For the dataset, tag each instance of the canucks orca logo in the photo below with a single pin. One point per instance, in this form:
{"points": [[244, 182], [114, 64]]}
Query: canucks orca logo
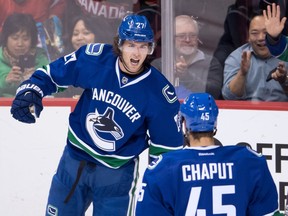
{"points": [[105, 123], [103, 129]]}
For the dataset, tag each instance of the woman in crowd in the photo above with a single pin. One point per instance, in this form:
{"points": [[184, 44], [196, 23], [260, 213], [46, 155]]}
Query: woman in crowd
{"points": [[82, 32], [19, 54]]}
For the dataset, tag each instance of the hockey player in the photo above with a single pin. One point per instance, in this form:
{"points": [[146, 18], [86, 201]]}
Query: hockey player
{"points": [[124, 98], [205, 179]]}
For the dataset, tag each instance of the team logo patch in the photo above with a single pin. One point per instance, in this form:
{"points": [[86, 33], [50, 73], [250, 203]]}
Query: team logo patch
{"points": [[169, 94], [103, 129], [155, 162], [70, 57], [51, 210], [124, 80], [94, 49]]}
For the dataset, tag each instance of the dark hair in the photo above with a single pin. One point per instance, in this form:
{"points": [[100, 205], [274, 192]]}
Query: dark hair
{"points": [[199, 135], [116, 46], [19, 22], [255, 13], [88, 23]]}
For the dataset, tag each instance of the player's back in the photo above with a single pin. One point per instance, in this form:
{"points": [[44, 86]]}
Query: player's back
{"points": [[228, 180]]}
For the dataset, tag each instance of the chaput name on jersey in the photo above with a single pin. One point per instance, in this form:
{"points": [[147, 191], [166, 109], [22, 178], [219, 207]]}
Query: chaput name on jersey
{"points": [[205, 171], [117, 101]]}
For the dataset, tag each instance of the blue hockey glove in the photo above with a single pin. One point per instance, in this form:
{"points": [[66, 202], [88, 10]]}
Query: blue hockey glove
{"points": [[28, 99]]}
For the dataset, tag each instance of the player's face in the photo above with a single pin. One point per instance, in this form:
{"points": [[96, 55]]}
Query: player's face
{"points": [[81, 35], [134, 54], [257, 33], [18, 43]]}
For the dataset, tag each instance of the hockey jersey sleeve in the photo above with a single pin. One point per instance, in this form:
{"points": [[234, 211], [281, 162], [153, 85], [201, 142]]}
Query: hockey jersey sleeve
{"points": [[164, 124], [59, 74], [74, 69], [279, 48]]}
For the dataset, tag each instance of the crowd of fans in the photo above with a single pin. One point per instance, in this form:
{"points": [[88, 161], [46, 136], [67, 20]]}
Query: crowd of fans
{"points": [[239, 65], [200, 58]]}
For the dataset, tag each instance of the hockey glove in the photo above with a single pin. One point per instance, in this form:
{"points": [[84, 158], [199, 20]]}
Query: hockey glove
{"points": [[28, 99]]}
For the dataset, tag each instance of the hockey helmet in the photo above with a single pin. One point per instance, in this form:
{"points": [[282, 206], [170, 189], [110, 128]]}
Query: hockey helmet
{"points": [[136, 28], [200, 112]]}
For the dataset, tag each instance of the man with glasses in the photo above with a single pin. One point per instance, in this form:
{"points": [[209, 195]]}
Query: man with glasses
{"points": [[191, 64]]}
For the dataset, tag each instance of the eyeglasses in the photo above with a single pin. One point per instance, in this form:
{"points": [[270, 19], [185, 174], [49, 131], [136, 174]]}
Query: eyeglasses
{"points": [[184, 36]]}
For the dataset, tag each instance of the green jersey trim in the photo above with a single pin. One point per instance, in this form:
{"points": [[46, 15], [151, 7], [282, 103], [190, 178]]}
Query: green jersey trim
{"points": [[112, 161], [155, 150]]}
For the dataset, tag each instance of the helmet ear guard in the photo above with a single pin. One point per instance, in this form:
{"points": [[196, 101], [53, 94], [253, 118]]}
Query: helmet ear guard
{"points": [[151, 47], [200, 112]]}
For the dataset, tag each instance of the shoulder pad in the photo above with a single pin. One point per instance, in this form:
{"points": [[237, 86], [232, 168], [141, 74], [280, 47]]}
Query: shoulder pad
{"points": [[254, 152]]}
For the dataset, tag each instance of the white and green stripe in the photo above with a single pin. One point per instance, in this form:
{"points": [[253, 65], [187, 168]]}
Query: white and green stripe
{"points": [[112, 161]]}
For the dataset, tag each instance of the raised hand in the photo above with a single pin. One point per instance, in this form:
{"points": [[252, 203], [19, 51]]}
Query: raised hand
{"points": [[181, 66], [14, 76], [274, 25]]}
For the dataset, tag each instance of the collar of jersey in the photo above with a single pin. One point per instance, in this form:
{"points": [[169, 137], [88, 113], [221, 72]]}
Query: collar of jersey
{"points": [[202, 147], [131, 80]]}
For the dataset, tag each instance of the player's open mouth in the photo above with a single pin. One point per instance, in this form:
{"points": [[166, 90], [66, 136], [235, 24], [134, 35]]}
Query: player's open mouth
{"points": [[134, 61]]}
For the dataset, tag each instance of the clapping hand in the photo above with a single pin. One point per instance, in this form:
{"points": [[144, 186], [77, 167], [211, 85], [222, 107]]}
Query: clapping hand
{"points": [[245, 62], [181, 66]]}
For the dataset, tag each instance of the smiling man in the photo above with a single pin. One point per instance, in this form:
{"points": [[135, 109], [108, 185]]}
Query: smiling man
{"points": [[246, 69], [123, 98]]}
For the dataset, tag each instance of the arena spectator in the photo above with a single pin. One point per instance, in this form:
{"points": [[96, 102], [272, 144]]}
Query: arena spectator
{"points": [[19, 56], [83, 32], [247, 68], [191, 64], [107, 15]]}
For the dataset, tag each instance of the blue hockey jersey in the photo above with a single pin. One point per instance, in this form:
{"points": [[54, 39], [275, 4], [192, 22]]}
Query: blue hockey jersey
{"points": [[229, 180], [110, 122]]}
